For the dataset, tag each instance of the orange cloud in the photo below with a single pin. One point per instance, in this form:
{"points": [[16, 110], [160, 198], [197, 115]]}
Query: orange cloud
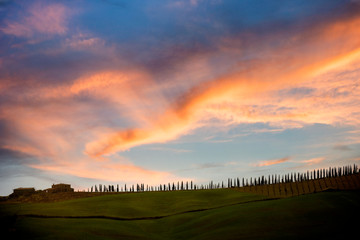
{"points": [[116, 172], [257, 82], [272, 162], [313, 160]]}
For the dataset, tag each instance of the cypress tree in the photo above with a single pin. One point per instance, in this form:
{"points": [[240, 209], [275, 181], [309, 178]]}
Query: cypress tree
{"points": [[191, 185], [125, 188]]}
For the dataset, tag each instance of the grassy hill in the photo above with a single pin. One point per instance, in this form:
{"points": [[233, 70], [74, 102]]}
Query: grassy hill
{"points": [[203, 214]]}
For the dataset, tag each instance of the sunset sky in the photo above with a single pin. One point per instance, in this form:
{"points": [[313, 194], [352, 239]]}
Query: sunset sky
{"points": [[160, 91]]}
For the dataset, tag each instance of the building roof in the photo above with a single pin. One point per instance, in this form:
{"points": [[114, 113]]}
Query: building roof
{"points": [[21, 188]]}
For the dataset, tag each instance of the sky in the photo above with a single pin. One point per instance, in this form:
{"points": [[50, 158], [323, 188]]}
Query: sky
{"points": [[158, 91]]}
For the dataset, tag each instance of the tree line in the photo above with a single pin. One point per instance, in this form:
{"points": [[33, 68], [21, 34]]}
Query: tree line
{"points": [[232, 182]]}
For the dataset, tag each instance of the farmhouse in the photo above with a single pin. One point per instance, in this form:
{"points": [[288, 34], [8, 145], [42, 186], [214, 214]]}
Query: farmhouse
{"points": [[23, 191], [61, 187]]}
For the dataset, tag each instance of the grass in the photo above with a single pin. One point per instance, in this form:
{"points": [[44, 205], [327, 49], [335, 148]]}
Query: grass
{"points": [[231, 215], [144, 204]]}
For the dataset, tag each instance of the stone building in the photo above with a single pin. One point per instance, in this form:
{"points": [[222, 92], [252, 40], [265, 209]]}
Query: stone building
{"points": [[23, 191], [61, 187]]}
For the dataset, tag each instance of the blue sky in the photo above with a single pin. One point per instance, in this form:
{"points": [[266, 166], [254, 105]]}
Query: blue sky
{"points": [[117, 92]]}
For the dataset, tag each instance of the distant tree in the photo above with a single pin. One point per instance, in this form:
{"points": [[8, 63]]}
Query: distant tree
{"points": [[178, 186], [187, 185], [191, 185], [182, 185], [125, 188], [117, 188]]}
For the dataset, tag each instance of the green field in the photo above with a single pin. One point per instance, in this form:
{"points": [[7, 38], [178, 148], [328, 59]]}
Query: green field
{"points": [[203, 214]]}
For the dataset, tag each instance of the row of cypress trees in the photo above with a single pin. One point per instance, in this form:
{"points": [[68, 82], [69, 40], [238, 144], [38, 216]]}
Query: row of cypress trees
{"points": [[231, 183]]}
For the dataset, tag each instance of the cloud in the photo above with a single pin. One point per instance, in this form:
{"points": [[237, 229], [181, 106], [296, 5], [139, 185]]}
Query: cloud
{"points": [[108, 171], [174, 150], [84, 42], [86, 97], [46, 19], [272, 162], [341, 147], [256, 82], [313, 160]]}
